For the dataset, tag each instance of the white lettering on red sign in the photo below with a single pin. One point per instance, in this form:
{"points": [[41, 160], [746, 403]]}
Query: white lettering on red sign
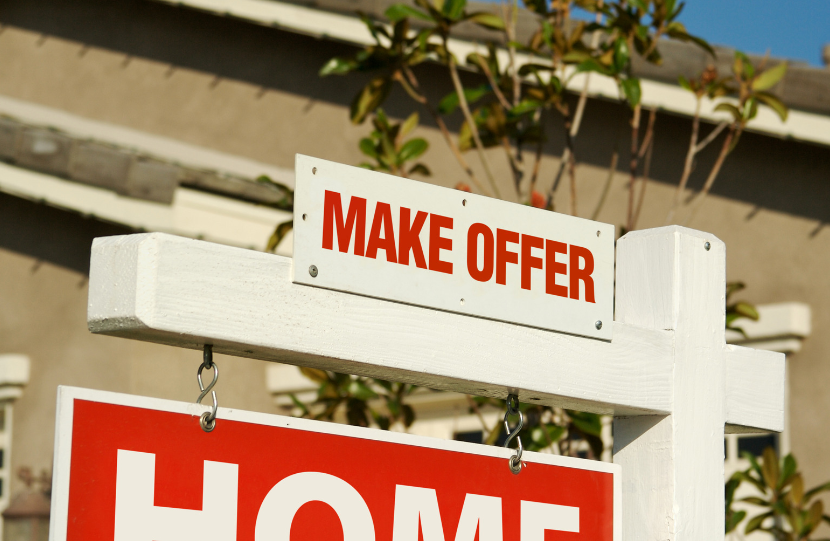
{"points": [[141, 469], [137, 518], [373, 234]]}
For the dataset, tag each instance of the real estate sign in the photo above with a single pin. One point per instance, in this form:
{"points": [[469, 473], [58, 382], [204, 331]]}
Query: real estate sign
{"points": [[132, 468], [384, 236]]}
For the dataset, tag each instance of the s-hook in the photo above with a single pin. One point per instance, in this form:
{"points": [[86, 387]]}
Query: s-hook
{"points": [[515, 461], [208, 419]]}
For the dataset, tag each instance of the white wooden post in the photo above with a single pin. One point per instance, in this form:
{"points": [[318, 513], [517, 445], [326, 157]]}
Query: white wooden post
{"points": [[674, 278]]}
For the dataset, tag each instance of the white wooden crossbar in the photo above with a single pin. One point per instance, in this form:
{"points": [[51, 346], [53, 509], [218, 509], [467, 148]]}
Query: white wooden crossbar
{"points": [[667, 376]]}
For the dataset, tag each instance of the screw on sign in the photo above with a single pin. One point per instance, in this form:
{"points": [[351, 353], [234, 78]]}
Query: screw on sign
{"points": [[141, 469]]}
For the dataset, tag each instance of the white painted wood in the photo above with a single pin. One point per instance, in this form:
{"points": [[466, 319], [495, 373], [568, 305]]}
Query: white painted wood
{"points": [[63, 443], [176, 291], [755, 387], [668, 279], [781, 327], [382, 275]]}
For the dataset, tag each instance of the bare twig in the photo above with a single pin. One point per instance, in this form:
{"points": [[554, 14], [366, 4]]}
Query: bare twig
{"points": [[644, 179], [607, 188], [645, 150], [687, 165], [515, 168], [577, 119], [711, 137], [485, 69], [465, 108], [538, 158], [734, 131], [510, 15], [410, 85], [633, 164]]}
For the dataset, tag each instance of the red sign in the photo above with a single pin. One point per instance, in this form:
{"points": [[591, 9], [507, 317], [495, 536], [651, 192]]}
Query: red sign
{"points": [[141, 469]]}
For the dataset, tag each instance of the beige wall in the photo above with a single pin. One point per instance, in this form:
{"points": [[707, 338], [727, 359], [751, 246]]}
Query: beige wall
{"points": [[263, 100]]}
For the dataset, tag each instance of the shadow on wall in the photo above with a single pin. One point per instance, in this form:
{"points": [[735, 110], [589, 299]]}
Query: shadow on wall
{"points": [[767, 172], [49, 234]]}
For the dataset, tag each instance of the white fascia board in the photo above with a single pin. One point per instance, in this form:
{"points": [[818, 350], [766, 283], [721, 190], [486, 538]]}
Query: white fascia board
{"points": [[165, 148], [193, 214], [800, 125], [781, 327], [14, 369]]}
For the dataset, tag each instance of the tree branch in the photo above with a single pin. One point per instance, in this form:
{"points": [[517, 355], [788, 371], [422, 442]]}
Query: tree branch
{"points": [[411, 88], [607, 188], [635, 160], [465, 108], [734, 130]]}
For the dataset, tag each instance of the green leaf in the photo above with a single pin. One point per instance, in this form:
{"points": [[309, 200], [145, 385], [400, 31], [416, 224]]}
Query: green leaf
{"points": [[337, 66], [734, 287], [750, 109], [756, 501], [465, 137], [487, 20], [815, 490], [587, 423], [769, 78], [409, 124], [676, 30], [279, 233], [420, 169], [361, 391], [621, 54], [744, 309], [787, 471], [527, 69], [734, 519], [525, 106], [367, 146], [593, 65], [769, 467], [412, 149], [449, 102], [684, 83], [453, 9], [369, 99], [774, 103], [631, 90], [756, 522], [575, 57], [408, 415], [397, 12], [731, 109]]}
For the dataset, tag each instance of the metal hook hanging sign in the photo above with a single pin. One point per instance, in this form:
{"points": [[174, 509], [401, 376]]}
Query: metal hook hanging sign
{"points": [[208, 419], [515, 461]]}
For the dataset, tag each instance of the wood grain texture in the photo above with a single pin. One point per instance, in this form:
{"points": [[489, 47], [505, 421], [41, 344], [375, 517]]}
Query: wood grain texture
{"points": [[755, 390], [674, 278], [166, 289]]}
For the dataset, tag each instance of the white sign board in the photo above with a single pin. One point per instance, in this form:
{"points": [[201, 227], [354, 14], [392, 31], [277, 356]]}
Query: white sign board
{"points": [[383, 236]]}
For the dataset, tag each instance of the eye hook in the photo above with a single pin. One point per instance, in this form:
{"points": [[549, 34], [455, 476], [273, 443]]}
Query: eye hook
{"points": [[515, 461]]}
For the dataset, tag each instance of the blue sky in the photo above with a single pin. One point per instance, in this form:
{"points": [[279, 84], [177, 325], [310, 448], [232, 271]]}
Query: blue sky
{"points": [[793, 29]]}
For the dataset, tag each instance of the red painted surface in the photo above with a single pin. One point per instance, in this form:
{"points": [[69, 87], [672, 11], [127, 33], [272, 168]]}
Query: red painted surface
{"points": [[267, 454]]}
